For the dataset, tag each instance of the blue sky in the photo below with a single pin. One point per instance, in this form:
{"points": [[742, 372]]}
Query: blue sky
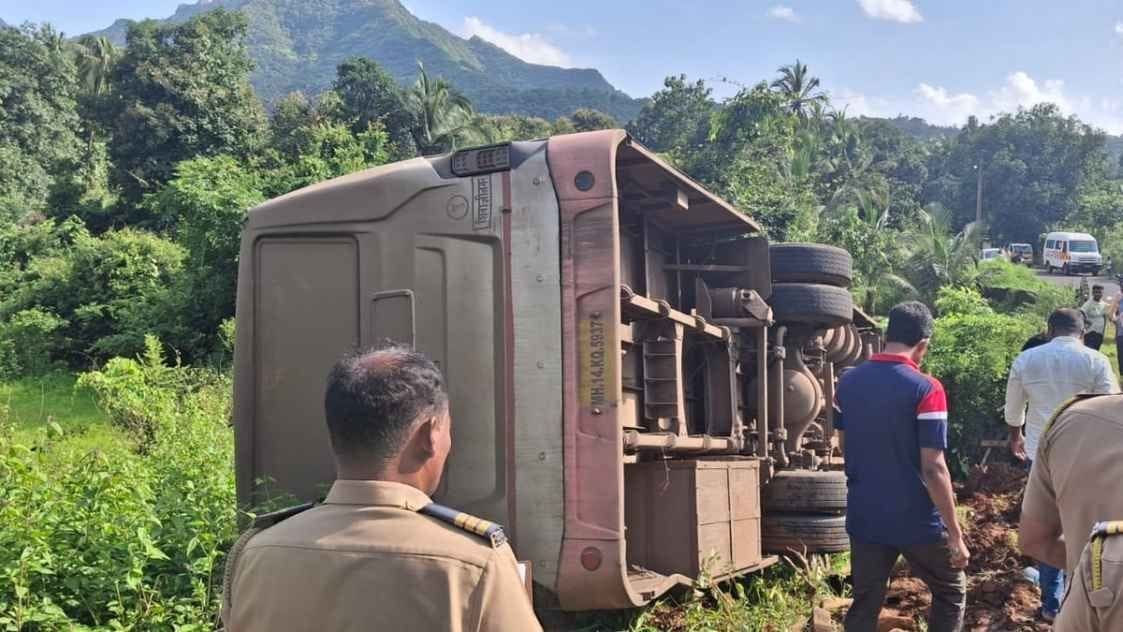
{"points": [[939, 59]]}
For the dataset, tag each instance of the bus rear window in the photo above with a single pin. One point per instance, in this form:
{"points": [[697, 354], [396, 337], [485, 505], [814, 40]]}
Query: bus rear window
{"points": [[1083, 246]]}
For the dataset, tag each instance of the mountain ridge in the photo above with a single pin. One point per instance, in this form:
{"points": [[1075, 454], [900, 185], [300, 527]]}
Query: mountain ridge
{"points": [[296, 45]]}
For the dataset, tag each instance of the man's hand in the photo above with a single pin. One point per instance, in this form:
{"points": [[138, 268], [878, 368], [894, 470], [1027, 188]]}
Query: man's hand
{"points": [[960, 556], [1018, 446]]}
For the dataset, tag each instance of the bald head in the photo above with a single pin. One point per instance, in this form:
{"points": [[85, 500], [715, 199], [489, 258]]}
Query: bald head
{"points": [[375, 399]]}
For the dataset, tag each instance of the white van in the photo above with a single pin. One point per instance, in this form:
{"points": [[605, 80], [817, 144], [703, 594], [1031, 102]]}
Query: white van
{"points": [[1071, 253]]}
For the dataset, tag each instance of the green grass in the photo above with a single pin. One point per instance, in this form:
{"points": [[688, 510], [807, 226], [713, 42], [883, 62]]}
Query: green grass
{"points": [[31, 403], [773, 600], [1108, 348]]}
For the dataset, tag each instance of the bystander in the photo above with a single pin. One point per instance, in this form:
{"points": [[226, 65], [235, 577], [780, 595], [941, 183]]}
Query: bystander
{"points": [[1041, 380]]}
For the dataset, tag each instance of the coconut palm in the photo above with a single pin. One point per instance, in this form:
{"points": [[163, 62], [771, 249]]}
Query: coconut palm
{"points": [[95, 63], [800, 89], [940, 257], [444, 118]]}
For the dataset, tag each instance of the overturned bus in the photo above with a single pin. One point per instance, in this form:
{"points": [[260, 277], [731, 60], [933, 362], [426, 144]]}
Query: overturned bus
{"points": [[638, 379]]}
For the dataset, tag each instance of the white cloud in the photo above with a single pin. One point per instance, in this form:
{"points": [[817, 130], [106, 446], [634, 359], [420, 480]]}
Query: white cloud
{"points": [[903, 11], [530, 47], [939, 97], [1119, 28], [1021, 90], [940, 106], [858, 104], [780, 12]]}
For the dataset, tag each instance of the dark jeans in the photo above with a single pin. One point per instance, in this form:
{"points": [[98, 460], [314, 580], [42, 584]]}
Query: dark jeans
{"points": [[1052, 581], [872, 565], [1093, 340]]}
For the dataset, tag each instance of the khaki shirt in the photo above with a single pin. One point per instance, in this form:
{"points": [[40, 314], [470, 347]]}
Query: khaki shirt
{"points": [[1087, 608], [366, 560]]}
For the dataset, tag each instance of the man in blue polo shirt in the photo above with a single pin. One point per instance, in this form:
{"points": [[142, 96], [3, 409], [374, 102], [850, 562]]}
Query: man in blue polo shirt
{"points": [[893, 427]]}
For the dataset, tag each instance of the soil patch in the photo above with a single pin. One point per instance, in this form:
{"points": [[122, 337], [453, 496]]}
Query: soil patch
{"points": [[999, 598]]}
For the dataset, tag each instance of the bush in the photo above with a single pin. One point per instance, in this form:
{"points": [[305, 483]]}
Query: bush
{"points": [[110, 537], [962, 301], [27, 342], [82, 299], [972, 350], [1017, 289]]}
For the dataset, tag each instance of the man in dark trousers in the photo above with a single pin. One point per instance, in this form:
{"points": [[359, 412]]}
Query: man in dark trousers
{"points": [[1095, 312], [892, 420]]}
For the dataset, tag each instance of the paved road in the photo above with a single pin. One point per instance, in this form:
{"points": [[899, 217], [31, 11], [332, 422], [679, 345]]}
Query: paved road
{"points": [[1111, 289]]}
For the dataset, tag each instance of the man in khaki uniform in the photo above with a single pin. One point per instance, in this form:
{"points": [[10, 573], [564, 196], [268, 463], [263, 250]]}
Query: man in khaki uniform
{"points": [[1074, 484], [377, 554], [1094, 602]]}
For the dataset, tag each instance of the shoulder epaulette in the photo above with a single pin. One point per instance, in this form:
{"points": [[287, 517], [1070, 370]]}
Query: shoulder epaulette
{"points": [[467, 522], [264, 521], [1100, 532]]}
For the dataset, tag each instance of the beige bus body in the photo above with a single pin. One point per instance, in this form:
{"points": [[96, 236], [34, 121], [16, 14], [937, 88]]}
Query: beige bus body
{"points": [[620, 389]]}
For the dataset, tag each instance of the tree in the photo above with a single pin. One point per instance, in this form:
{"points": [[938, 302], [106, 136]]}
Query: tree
{"points": [[96, 58], [518, 127], [676, 119], [39, 122], [800, 90], [1034, 165], [206, 204], [370, 95], [937, 256], [326, 150], [94, 296], [443, 118], [588, 120], [182, 91]]}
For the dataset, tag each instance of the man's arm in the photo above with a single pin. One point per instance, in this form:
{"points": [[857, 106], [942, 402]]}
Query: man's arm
{"points": [[501, 597], [1016, 400], [1106, 381], [937, 479], [1041, 534], [932, 437]]}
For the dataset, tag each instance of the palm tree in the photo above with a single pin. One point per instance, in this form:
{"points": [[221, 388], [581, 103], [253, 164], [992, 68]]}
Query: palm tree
{"points": [[444, 118], [800, 89], [95, 64], [938, 256]]}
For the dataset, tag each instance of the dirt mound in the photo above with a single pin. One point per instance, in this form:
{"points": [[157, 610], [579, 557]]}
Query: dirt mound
{"points": [[998, 478], [999, 598]]}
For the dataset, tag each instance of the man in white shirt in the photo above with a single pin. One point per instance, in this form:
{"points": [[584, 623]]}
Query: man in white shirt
{"points": [[1095, 312], [1046, 377]]}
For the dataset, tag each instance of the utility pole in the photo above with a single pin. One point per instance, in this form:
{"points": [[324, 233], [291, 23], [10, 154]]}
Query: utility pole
{"points": [[979, 195]]}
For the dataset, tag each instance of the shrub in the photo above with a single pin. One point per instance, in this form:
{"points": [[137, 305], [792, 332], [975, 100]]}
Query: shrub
{"points": [[27, 342], [963, 301], [110, 537], [138, 394], [971, 354], [1016, 289], [81, 299]]}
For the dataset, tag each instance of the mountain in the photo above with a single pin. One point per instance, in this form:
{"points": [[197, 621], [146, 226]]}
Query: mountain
{"points": [[297, 45]]}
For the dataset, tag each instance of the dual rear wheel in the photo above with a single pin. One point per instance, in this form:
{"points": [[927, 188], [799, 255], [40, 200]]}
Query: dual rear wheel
{"points": [[805, 512]]}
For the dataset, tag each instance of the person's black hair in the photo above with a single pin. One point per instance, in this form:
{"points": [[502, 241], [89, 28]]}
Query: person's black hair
{"points": [[374, 397], [1066, 321], [1098, 287], [909, 323]]}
